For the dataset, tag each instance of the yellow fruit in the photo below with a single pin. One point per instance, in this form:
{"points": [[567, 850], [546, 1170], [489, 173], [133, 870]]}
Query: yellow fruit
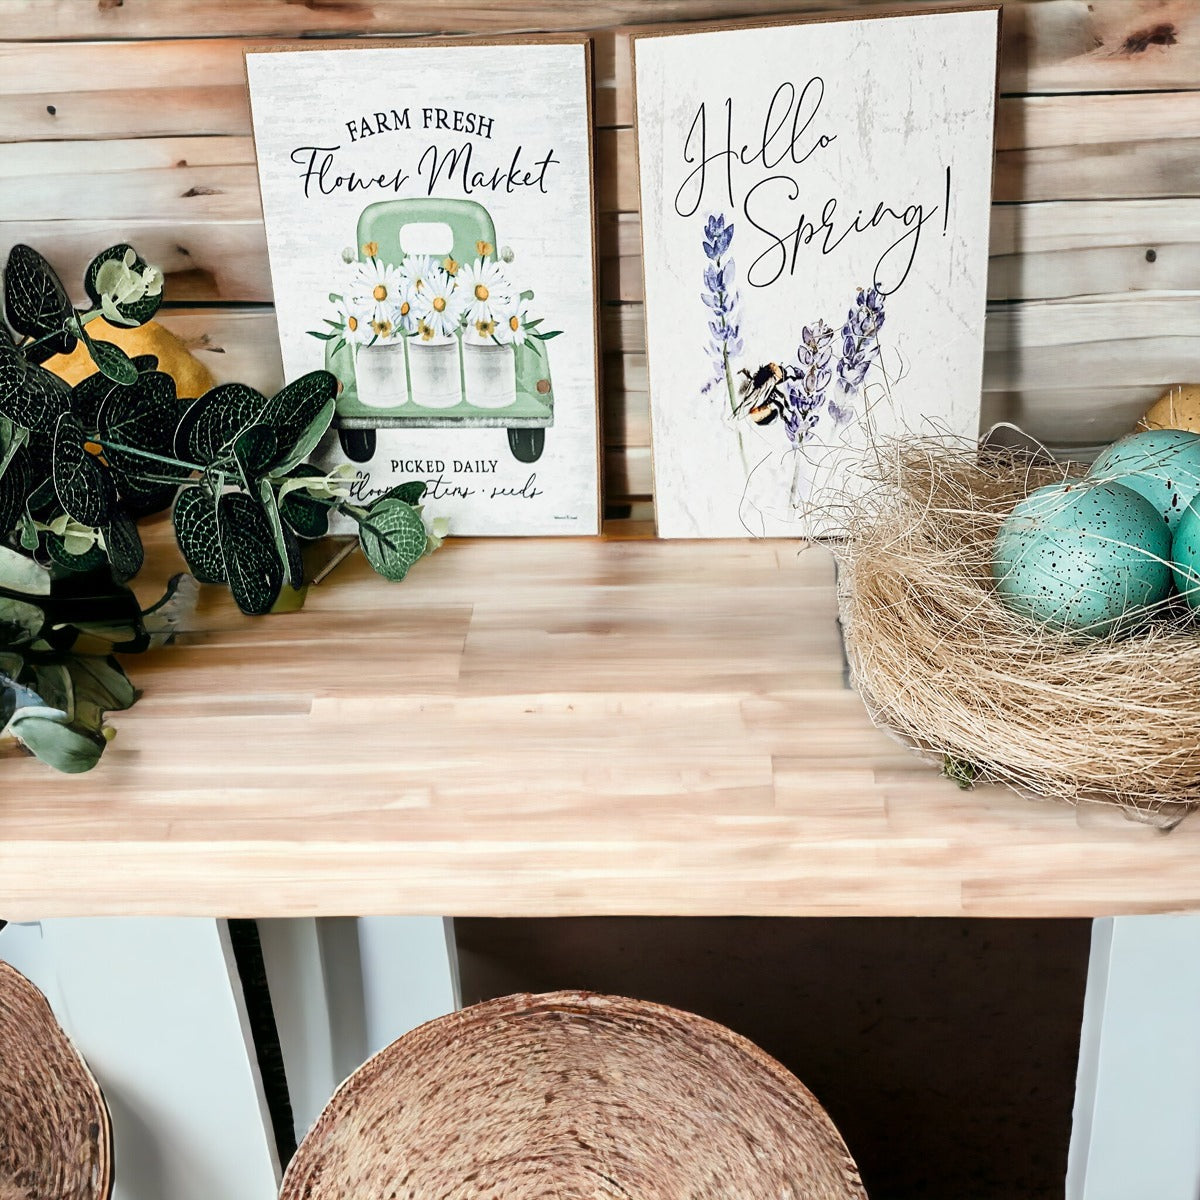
{"points": [[191, 376], [1177, 408]]}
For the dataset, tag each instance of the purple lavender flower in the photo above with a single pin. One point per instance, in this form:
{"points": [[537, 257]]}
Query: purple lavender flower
{"points": [[860, 348], [806, 390], [723, 302]]}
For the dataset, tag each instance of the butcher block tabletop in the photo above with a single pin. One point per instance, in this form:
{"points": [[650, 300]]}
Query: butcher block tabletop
{"points": [[543, 726]]}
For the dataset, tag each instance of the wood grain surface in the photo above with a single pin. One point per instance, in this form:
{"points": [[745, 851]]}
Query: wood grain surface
{"points": [[543, 727]]}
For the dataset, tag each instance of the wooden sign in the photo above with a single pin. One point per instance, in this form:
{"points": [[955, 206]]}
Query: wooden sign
{"points": [[815, 210], [429, 219]]}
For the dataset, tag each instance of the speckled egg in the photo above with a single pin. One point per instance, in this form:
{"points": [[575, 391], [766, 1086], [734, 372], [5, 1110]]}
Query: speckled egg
{"points": [[1083, 556], [1161, 464], [1185, 554]]}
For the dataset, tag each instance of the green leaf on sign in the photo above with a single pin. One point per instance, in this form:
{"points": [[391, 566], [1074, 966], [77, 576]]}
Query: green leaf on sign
{"points": [[82, 483], [393, 537], [195, 519], [412, 492], [254, 569]]}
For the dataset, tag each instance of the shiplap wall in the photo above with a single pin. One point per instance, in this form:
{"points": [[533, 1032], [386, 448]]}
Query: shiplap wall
{"points": [[128, 120]]}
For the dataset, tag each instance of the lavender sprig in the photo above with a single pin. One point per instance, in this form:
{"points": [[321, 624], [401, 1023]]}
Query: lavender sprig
{"points": [[806, 391], [860, 348], [723, 301]]}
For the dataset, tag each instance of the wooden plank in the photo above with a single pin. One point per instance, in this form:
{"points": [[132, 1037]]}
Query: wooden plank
{"points": [[595, 735], [1124, 154], [1049, 45], [93, 90], [1039, 251]]}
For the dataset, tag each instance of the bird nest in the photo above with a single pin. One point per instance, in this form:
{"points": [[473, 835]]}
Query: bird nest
{"points": [[994, 697]]}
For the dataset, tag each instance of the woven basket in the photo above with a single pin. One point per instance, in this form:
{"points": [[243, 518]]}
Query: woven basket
{"points": [[572, 1096], [55, 1138]]}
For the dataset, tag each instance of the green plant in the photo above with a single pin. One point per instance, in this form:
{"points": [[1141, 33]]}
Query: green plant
{"points": [[79, 466]]}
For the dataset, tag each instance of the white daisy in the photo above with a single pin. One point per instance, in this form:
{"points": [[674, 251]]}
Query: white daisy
{"points": [[377, 286], [512, 328], [417, 268], [485, 291], [356, 320], [438, 306]]}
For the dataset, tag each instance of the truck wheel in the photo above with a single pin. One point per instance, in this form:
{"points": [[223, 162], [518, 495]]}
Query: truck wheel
{"points": [[358, 445], [527, 444]]}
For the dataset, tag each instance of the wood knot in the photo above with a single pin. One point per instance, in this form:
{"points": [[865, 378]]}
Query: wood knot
{"points": [[201, 191], [1158, 35]]}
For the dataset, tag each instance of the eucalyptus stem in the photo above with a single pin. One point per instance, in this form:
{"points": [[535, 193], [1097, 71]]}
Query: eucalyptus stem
{"points": [[148, 454]]}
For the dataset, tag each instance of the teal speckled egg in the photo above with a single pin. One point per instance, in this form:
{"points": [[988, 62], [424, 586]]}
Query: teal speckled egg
{"points": [[1185, 554], [1083, 556], [1161, 464]]}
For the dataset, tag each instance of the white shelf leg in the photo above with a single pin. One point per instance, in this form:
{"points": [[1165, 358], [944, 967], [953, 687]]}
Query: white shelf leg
{"points": [[155, 1006], [343, 988], [1137, 1101], [410, 974]]}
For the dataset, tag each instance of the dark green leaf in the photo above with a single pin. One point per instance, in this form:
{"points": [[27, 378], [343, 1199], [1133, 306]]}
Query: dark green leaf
{"points": [[195, 518], [52, 682], [14, 695], [411, 492], [99, 686], [88, 397], [146, 362], [143, 416], [12, 370], [254, 450], [139, 311], [393, 537], [254, 570], [19, 621], [292, 411], [56, 548], [308, 440], [35, 302], [46, 733], [286, 544], [124, 546], [39, 402], [14, 485], [82, 483], [220, 415], [306, 517], [112, 361]]}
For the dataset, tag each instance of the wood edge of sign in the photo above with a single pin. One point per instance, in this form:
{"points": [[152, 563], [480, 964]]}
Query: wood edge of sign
{"points": [[637, 33], [587, 44]]}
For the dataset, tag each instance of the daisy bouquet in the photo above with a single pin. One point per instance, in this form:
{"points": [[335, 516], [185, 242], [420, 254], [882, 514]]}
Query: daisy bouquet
{"points": [[431, 300]]}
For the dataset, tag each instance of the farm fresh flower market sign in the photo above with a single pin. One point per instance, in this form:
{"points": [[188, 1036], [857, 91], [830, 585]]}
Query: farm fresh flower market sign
{"points": [[815, 203], [429, 221]]}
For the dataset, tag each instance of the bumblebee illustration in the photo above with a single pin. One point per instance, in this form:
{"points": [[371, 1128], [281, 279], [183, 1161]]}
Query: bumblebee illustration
{"points": [[762, 398]]}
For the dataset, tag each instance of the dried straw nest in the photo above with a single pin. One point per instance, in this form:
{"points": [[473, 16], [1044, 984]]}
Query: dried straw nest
{"points": [[575, 1096], [946, 668], [55, 1139]]}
